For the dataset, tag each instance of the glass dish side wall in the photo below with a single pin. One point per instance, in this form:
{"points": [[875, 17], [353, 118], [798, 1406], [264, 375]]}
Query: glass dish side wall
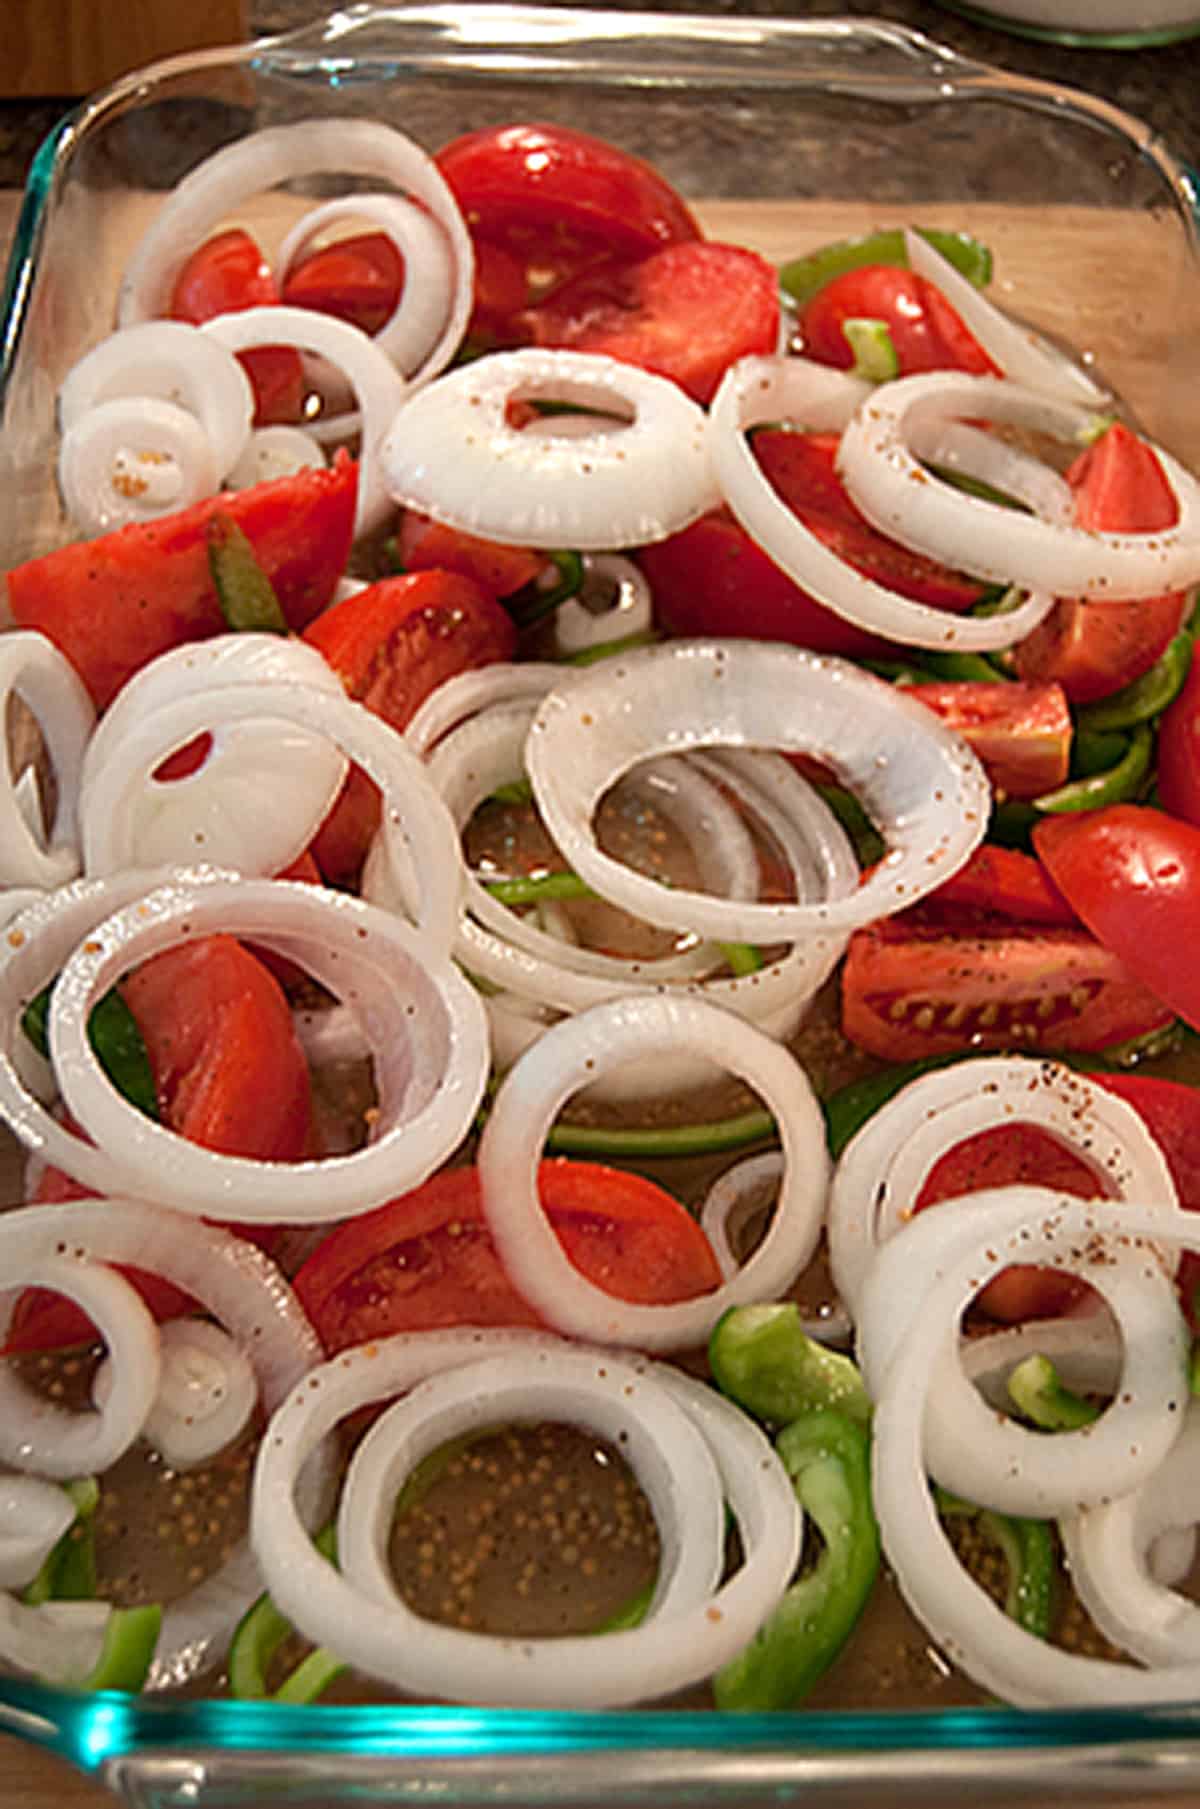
{"points": [[783, 136]]}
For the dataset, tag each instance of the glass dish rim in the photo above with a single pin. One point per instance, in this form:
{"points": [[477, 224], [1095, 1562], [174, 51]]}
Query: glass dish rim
{"points": [[94, 1731]]}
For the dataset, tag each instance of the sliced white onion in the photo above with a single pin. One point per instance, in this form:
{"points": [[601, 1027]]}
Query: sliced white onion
{"points": [[667, 1652], [33, 669], [725, 1199], [377, 384], [1084, 1347], [464, 695], [899, 496], [426, 1027], [365, 148], [220, 812], [57, 1642], [1021, 354], [975, 453], [206, 1393], [166, 361], [133, 460], [34, 1515], [969, 1626], [453, 454], [615, 601], [1109, 1549], [881, 1172], [967, 1446], [920, 784], [435, 301], [584, 1048], [764, 389], [272, 452]]}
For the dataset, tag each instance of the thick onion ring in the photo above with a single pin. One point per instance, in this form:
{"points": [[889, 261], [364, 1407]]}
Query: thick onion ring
{"points": [[32, 668], [133, 460]]}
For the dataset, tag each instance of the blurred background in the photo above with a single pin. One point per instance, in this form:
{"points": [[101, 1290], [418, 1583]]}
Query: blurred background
{"points": [[54, 51]]}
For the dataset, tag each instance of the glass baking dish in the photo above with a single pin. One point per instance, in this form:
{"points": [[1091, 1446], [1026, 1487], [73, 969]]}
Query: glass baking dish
{"points": [[783, 135]]}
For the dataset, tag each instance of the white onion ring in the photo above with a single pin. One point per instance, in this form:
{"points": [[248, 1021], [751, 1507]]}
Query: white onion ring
{"points": [[426, 1025], [765, 389], [459, 698], [581, 1050], [216, 814], [206, 1393], [624, 605], [435, 302], [452, 454], [33, 669], [1109, 1550], [900, 498], [883, 1168], [165, 361], [133, 460], [972, 1629], [278, 451], [663, 1655], [967, 1446], [920, 784], [56, 1642], [34, 1515], [377, 384], [975, 453]]}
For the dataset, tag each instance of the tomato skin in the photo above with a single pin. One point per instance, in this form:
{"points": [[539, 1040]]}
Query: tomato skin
{"points": [[427, 1260], [1021, 732], [113, 604], [1133, 875], [1095, 648], [999, 882], [224, 275], [357, 279], [391, 645], [1171, 1113], [1006, 1155], [686, 313], [925, 330], [911, 990], [1178, 750], [554, 202], [428, 545], [229, 1074]]}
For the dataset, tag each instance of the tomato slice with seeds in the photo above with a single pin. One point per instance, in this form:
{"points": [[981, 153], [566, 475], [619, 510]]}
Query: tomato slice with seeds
{"points": [[1021, 732], [427, 1260], [911, 990], [224, 275]]}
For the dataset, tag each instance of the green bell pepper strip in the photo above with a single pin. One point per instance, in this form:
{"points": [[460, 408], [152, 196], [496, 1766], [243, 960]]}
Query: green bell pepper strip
{"points": [[1115, 785], [1096, 750], [964, 668], [68, 1572], [130, 1636], [1036, 1391], [869, 845], [259, 1635], [532, 604], [1027, 1548], [802, 277], [763, 1359], [116, 1040], [535, 888], [875, 359], [518, 791], [1147, 697], [678, 1140], [827, 1456], [244, 591], [627, 643]]}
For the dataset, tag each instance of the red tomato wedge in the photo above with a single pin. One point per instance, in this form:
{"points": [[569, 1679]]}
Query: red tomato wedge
{"points": [[1021, 732], [357, 279], [115, 603], [1178, 750], [911, 990], [1171, 1112], [999, 882], [686, 313], [229, 1073], [427, 545], [713, 579], [1133, 875], [1003, 1156], [391, 645], [1091, 648], [926, 332], [545, 202], [427, 1260], [224, 275]]}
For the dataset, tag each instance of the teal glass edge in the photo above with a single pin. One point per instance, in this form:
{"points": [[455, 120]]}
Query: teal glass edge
{"points": [[91, 1730], [22, 256]]}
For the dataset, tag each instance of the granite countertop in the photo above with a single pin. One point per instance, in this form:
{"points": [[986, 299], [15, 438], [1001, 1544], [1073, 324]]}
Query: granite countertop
{"points": [[1159, 85]]}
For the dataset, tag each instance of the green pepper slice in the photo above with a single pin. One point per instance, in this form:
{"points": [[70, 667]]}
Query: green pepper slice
{"points": [[763, 1359], [802, 277], [259, 1635], [68, 1573], [244, 591], [114, 1036], [130, 1636], [1037, 1391], [533, 604], [1115, 785], [1027, 1548], [1147, 697], [827, 1456]]}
